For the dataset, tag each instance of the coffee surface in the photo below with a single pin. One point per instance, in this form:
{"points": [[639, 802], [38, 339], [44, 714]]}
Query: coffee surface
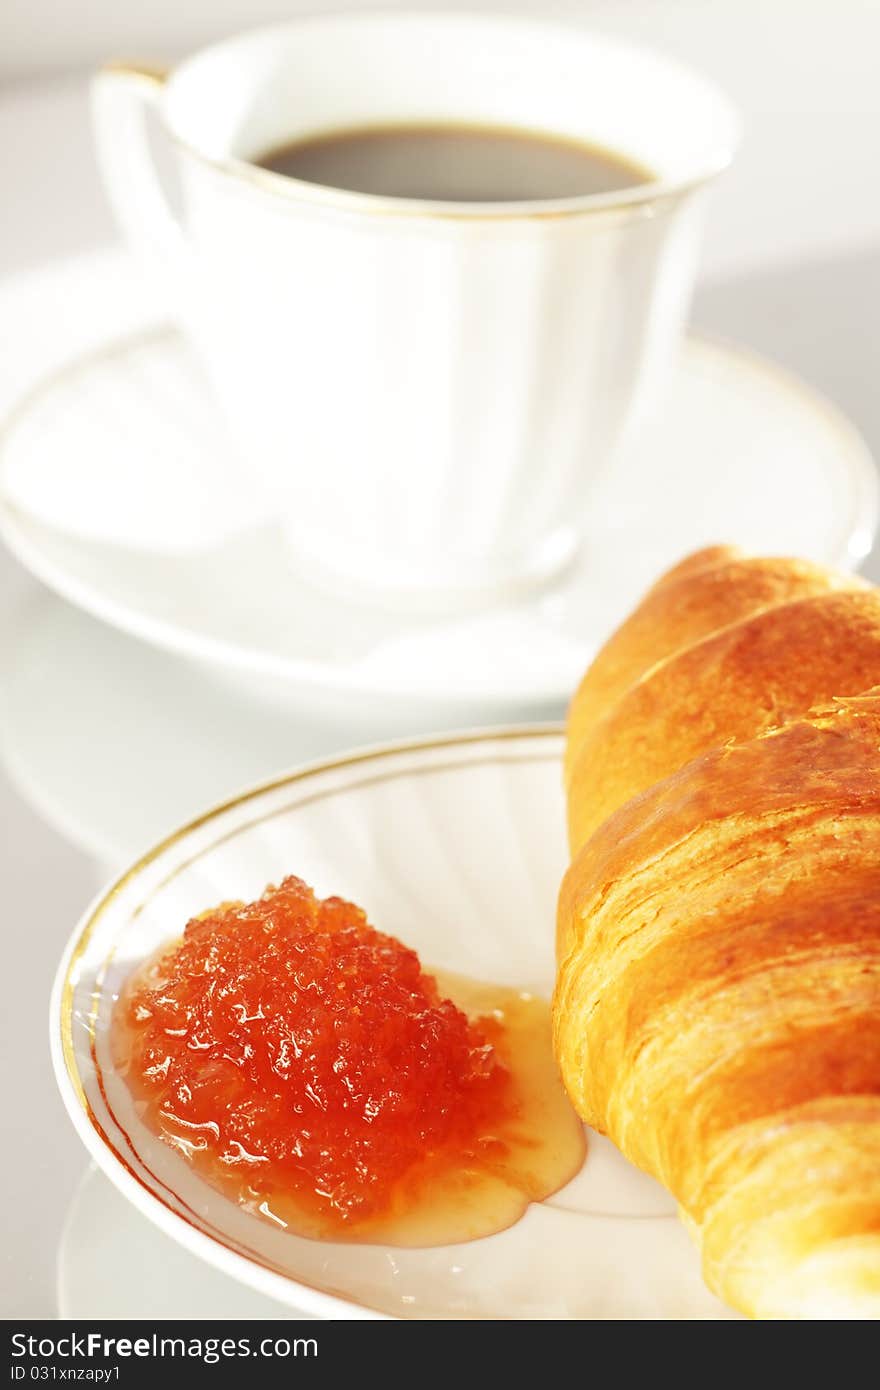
{"points": [[455, 163]]}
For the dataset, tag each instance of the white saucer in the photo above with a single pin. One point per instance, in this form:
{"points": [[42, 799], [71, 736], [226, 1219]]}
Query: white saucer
{"points": [[741, 452], [456, 845], [169, 728]]}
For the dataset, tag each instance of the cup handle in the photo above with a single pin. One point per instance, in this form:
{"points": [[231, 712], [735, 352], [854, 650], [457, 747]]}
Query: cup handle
{"points": [[121, 96]]}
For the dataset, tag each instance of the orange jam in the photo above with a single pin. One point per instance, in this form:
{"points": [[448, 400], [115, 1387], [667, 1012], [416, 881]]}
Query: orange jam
{"points": [[306, 1064]]}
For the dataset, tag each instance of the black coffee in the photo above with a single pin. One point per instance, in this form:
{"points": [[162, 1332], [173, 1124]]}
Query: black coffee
{"points": [[455, 163]]}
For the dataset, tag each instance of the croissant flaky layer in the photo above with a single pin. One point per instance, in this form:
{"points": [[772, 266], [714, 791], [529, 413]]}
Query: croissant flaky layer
{"points": [[717, 1010]]}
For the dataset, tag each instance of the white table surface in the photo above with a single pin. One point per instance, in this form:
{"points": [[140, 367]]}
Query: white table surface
{"points": [[812, 302]]}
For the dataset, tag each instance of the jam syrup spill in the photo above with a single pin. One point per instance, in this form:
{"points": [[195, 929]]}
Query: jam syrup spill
{"points": [[310, 1069]]}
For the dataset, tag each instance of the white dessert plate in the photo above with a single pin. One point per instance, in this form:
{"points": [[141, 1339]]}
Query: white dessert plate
{"points": [[113, 1264], [457, 846], [118, 493]]}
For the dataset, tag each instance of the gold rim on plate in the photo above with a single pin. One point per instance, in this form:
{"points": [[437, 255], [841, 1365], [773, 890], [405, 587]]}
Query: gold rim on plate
{"points": [[86, 928]]}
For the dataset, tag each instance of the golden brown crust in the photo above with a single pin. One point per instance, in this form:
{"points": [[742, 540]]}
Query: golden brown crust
{"points": [[751, 676], [697, 599], [717, 1009]]}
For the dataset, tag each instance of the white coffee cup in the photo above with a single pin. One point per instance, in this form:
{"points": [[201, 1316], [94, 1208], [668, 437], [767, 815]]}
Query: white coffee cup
{"points": [[426, 390]]}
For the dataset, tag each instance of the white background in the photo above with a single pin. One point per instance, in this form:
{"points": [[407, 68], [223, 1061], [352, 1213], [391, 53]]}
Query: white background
{"points": [[792, 266]]}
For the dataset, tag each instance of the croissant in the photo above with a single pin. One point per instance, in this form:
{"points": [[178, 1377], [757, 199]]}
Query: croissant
{"points": [[717, 1007]]}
